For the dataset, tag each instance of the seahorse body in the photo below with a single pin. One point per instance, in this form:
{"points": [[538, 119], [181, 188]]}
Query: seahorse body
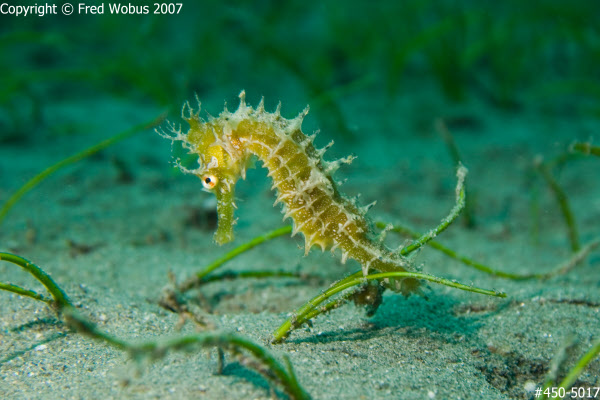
{"points": [[303, 180]]}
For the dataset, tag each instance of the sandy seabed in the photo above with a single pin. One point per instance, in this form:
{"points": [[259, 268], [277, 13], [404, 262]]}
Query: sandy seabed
{"points": [[111, 228]]}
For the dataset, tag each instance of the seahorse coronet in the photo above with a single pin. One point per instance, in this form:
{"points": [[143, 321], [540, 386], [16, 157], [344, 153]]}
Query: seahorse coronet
{"points": [[226, 145]]}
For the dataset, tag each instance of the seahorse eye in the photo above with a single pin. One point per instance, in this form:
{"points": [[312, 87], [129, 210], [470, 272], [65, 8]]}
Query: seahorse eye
{"points": [[209, 181]]}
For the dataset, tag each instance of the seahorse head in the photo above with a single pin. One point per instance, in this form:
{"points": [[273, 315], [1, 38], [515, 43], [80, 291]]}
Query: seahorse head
{"points": [[222, 159]]}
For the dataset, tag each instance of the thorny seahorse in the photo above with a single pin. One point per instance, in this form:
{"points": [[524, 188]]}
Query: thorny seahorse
{"points": [[225, 147]]}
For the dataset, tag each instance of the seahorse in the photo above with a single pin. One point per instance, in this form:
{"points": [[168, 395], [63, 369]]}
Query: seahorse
{"points": [[228, 145]]}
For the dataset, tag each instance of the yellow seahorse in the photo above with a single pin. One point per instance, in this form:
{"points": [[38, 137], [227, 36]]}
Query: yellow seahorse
{"points": [[225, 147]]}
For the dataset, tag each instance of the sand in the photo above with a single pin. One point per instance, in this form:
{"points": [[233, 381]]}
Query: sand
{"points": [[111, 228]]}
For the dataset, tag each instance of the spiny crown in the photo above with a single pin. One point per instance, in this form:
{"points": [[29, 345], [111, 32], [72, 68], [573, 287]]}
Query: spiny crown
{"points": [[215, 141], [216, 138]]}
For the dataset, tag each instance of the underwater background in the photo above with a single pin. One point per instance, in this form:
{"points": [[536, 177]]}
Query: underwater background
{"points": [[409, 87]]}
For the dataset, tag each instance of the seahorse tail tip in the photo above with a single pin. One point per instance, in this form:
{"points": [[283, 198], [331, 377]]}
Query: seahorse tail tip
{"points": [[411, 286]]}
